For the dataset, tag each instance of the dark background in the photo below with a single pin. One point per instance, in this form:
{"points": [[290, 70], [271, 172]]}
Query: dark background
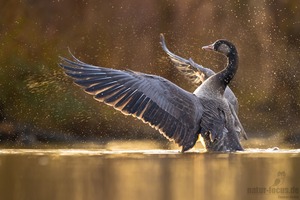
{"points": [[38, 103]]}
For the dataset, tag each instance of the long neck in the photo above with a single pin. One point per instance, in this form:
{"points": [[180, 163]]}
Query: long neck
{"points": [[216, 84], [226, 75]]}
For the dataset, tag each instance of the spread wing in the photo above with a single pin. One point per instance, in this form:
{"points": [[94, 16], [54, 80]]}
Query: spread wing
{"points": [[195, 73], [154, 100]]}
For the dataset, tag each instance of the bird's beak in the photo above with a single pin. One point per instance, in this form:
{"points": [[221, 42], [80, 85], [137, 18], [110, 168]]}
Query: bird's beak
{"points": [[208, 47]]}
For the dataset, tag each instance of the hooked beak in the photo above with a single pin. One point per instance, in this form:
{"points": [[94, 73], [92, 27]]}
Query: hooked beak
{"points": [[208, 47]]}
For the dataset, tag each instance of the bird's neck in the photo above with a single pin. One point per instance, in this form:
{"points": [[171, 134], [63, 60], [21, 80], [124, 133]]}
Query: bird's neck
{"points": [[226, 75], [219, 81]]}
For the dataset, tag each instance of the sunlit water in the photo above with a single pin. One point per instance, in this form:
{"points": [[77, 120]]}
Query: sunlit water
{"points": [[148, 174]]}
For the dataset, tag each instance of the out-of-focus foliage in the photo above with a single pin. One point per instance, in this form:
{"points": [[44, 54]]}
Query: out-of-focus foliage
{"points": [[125, 34]]}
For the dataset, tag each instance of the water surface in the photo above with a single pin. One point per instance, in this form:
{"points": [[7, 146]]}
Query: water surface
{"points": [[148, 174]]}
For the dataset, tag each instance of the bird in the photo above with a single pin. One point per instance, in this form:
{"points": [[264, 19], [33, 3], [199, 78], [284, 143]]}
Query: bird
{"points": [[179, 115], [197, 74]]}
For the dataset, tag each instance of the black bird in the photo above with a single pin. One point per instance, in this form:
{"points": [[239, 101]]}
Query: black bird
{"points": [[179, 115]]}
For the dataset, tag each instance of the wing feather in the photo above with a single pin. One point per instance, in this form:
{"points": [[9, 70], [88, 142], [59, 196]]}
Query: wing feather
{"points": [[194, 72], [156, 101]]}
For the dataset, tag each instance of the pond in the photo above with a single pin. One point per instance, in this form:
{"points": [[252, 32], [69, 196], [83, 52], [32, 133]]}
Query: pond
{"points": [[148, 174]]}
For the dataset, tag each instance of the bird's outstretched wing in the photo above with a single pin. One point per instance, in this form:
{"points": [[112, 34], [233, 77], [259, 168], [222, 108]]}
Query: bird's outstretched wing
{"points": [[195, 73], [156, 101]]}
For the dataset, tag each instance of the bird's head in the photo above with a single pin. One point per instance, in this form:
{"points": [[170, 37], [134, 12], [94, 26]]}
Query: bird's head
{"points": [[222, 46]]}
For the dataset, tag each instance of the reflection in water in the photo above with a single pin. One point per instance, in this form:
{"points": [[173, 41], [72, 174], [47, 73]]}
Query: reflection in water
{"points": [[148, 174]]}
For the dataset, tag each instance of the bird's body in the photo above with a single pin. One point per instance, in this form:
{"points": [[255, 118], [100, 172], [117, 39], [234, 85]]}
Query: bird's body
{"points": [[212, 92], [179, 115]]}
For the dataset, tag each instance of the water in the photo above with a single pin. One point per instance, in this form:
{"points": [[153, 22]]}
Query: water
{"points": [[148, 174]]}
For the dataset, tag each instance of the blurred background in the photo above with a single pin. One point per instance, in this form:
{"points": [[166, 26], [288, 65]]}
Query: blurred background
{"points": [[40, 105]]}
